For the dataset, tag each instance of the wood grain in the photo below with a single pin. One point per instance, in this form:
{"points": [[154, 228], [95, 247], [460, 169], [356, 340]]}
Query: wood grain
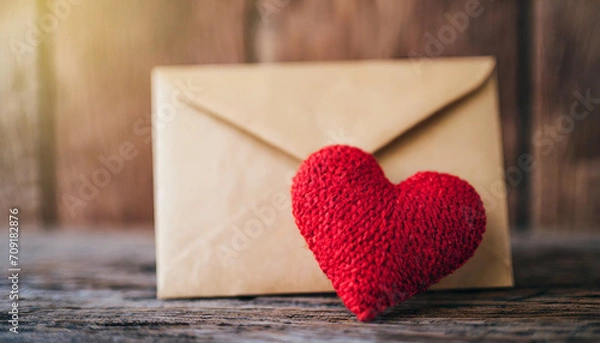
{"points": [[95, 287], [566, 191], [354, 29], [19, 121], [104, 52], [81, 92]]}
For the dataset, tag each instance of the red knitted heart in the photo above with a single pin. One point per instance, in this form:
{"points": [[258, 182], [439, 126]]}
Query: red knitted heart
{"points": [[377, 242]]}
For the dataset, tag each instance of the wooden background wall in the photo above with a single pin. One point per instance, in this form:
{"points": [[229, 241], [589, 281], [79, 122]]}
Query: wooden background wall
{"points": [[75, 88]]}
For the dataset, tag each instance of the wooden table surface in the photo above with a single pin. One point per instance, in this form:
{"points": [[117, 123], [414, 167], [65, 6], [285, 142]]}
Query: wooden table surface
{"points": [[99, 287]]}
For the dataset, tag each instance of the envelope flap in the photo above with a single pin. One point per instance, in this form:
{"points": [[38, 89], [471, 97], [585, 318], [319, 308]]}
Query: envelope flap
{"points": [[300, 107]]}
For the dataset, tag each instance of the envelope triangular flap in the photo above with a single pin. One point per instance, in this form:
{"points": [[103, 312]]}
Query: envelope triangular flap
{"points": [[303, 106]]}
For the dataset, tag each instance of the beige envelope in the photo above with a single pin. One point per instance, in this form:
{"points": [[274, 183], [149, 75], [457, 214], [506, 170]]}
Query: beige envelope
{"points": [[228, 139]]}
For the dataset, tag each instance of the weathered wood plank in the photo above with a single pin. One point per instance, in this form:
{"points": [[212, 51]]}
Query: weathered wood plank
{"points": [[19, 122], [98, 287], [103, 54], [354, 29], [566, 115]]}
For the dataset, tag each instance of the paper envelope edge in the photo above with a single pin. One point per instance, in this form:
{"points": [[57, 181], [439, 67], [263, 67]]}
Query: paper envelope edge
{"points": [[507, 262], [475, 70]]}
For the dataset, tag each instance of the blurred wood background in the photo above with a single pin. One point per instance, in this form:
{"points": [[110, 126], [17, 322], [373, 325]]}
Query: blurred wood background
{"points": [[75, 89], [20, 177]]}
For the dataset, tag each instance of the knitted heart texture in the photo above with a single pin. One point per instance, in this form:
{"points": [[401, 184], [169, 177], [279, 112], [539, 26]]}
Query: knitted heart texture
{"points": [[380, 243]]}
